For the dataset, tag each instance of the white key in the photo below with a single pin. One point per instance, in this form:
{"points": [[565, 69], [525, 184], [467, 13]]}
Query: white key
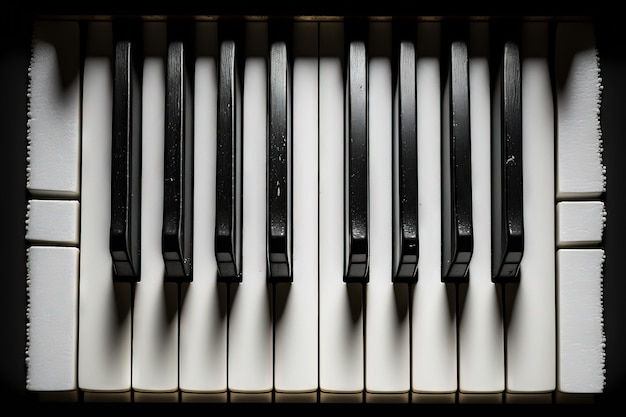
{"points": [[296, 338], [580, 223], [52, 313], [250, 335], [341, 319], [54, 110], [481, 331], [53, 222], [203, 336], [530, 305], [155, 317], [387, 338], [581, 172], [434, 366], [104, 334], [581, 332]]}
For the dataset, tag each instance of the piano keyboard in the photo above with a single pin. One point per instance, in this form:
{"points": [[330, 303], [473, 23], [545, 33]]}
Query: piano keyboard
{"points": [[317, 210]]}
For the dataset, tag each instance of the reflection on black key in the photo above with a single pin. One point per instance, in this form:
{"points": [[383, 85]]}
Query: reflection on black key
{"points": [[356, 137], [457, 241], [178, 184], [229, 163], [125, 243], [405, 226], [279, 152], [507, 229]]}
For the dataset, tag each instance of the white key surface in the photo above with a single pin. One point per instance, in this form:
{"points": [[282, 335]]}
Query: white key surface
{"points": [[296, 303], [52, 332], [155, 304], [341, 320], [433, 310], [55, 222], [530, 305], [203, 335], [250, 335], [104, 334], [481, 327], [580, 223], [387, 337], [54, 110]]}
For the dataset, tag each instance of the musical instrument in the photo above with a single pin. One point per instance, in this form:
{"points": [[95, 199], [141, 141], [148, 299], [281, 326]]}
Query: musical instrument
{"points": [[612, 86]]}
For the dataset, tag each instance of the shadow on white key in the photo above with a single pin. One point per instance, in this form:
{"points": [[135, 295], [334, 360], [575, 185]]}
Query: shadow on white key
{"points": [[203, 336], [530, 307], [481, 330], [433, 310], [296, 303], [341, 319], [250, 331], [387, 337], [155, 317], [104, 334]]}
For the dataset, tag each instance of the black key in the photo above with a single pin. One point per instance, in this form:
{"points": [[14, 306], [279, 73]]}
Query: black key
{"points": [[457, 231], [229, 152], [125, 239], [507, 227], [279, 184], [356, 149], [405, 226], [178, 172]]}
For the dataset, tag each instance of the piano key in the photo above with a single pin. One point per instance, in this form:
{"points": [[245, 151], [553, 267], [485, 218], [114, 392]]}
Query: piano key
{"points": [[203, 318], [507, 240], [356, 138], [229, 172], [54, 222], [580, 223], [53, 134], [456, 155], [155, 302], [480, 321], [104, 332], [125, 239], [341, 370], [52, 332], [296, 304], [279, 186], [405, 224], [250, 336], [581, 344], [433, 316], [178, 191], [387, 337], [580, 170], [530, 312]]}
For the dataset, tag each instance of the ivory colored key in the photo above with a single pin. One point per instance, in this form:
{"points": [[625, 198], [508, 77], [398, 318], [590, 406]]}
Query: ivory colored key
{"points": [[104, 333]]}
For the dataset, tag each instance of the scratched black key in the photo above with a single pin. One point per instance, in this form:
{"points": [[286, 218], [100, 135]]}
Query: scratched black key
{"points": [[405, 181], [356, 151], [178, 161], [507, 227], [229, 152], [457, 230], [278, 190], [125, 242]]}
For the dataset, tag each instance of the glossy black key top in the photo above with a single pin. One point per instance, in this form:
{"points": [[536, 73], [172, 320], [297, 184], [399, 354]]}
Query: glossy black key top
{"points": [[229, 152], [457, 230], [178, 162], [405, 181], [356, 151], [507, 229], [278, 190], [125, 242]]}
